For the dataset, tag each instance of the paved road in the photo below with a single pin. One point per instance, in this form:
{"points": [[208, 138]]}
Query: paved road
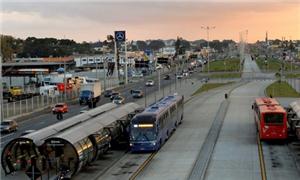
{"points": [[46, 119], [235, 155], [118, 165], [177, 157], [251, 70]]}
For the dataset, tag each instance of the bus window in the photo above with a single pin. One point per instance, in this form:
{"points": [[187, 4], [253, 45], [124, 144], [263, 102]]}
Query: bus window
{"points": [[143, 132], [273, 118]]}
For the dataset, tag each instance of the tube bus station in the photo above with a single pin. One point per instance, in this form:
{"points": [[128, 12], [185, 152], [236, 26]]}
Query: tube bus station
{"points": [[70, 144]]}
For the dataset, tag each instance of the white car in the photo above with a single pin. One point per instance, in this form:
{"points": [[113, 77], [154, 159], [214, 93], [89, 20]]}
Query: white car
{"points": [[150, 83], [119, 100], [159, 66], [179, 76], [185, 74], [137, 74]]}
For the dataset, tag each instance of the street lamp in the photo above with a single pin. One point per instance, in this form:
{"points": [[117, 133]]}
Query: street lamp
{"points": [[207, 28]]}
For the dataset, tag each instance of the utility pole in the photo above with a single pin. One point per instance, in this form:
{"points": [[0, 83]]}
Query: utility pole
{"points": [[126, 73], [96, 69], [116, 69], [158, 76], [145, 90], [104, 72], [65, 81], [1, 89], [207, 28]]}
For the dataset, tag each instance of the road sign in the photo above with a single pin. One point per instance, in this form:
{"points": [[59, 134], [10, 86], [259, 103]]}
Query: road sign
{"points": [[33, 172], [120, 36]]}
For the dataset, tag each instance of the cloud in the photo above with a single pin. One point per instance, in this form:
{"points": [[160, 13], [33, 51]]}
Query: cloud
{"points": [[148, 19]]}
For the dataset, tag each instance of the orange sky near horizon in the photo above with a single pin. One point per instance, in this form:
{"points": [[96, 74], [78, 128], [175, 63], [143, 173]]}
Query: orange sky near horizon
{"points": [[93, 21]]}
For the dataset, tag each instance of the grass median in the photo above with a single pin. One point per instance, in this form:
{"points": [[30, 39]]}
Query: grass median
{"points": [[274, 65], [223, 65], [226, 75], [281, 89], [209, 86], [292, 75]]}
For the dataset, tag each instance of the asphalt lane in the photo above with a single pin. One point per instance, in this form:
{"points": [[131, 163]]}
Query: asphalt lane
{"points": [[44, 120], [177, 157]]}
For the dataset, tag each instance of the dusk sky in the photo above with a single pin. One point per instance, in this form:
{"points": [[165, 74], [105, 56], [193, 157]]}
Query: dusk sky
{"points": [[92, 20]]}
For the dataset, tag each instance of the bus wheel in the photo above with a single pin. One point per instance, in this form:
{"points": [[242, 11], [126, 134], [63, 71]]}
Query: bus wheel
{"points": [[167, 135], [159, 145]]}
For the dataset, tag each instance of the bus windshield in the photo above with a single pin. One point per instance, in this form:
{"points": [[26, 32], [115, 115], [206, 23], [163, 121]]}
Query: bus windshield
{"points": [[273, 118], [143, 128], [143, 134]]}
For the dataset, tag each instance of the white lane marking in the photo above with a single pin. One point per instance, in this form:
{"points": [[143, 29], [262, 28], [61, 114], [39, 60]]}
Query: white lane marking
{"points": [[2, 142], [7, 135]]}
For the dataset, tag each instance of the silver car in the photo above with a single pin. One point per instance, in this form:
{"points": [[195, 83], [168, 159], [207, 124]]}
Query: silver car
{"points": [[119, 100], [8, 126]]}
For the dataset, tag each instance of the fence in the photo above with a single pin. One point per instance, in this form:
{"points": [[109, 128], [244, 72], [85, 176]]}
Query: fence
{"points": [[36, 103], [295, 83]]}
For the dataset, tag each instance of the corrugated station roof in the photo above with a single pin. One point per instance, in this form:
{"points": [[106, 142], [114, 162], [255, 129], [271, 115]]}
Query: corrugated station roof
{"points": [[92, 126], [40, 135], [296, 107]]}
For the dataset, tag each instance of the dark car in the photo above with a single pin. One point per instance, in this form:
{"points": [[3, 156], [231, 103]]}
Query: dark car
{"points": [[137, 93], [8, 126], [114, 94], [108, 93], [167, 77]]}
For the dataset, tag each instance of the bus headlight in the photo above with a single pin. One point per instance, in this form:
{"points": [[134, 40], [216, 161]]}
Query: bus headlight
{"points": [[153, 143], [130, 144]]}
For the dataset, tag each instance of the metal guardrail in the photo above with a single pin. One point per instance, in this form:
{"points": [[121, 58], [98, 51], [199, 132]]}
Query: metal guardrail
{"points": [[35, 103], [295, 83]]}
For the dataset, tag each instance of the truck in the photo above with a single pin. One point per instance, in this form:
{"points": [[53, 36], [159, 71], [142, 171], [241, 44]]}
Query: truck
{"points": [[90, 94], [16, 93]]}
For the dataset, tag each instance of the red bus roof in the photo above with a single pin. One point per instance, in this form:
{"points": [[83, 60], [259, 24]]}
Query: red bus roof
{"points": [[271, 108], [266, 101]]}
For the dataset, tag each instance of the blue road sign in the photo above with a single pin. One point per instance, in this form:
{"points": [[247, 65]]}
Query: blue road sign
{"points": [[120, 36], [148, 52]]}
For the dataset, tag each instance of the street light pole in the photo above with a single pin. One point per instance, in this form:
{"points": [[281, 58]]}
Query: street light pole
{"points": [[207, 28], [116, 69], [1, 90], [65, 81], [126, 73], [105, 73]]}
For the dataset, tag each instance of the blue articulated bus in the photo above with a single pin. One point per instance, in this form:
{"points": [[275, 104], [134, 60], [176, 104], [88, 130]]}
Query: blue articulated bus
{"points": [[152, 127]]}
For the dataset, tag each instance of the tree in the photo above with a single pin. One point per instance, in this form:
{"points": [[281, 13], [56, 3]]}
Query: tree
{"points": [[141, 45], [156, 44], [6, 47]]}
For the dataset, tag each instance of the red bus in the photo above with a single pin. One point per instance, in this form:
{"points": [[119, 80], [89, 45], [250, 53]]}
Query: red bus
{"points": [[270, 118]]}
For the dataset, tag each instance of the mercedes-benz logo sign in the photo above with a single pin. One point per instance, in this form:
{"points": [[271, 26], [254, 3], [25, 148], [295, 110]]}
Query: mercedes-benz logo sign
{"points": [[120, 35]]}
